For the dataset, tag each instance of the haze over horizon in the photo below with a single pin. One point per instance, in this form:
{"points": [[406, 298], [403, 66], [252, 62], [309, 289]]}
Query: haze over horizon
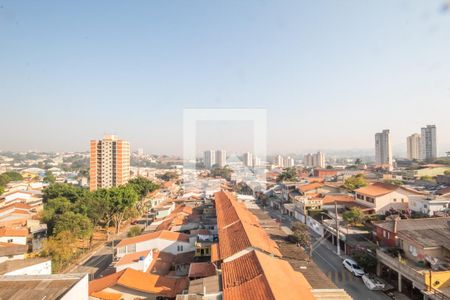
{"points": [[329, 73]]}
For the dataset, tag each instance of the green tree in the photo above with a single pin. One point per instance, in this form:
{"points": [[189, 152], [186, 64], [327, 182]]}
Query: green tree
{"points": [[353, 216], [61, 248], [79, 225], [2, 190], [358, 161], [65, 190], [142, 186], [288, 174], [134, 231], [355, 182], [168, 176], [122, 202], [426, 178], [365, 260], [49, 177], [447, 172], [12, 176], [224, 172]]}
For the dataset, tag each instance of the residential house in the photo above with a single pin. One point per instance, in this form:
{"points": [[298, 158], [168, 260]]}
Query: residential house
{"points": [[56, 286], [15, 235], [165, 241], [430, 205], [381, 197], [29, 266], [424, 257], [130, 284]]}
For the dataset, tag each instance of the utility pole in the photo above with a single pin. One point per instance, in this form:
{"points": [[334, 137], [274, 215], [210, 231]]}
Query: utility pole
{"points": [[338, 249]]}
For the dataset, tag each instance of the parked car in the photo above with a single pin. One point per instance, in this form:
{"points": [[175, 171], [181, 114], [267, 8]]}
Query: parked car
{"points": [[353, 267], [373, 283]]}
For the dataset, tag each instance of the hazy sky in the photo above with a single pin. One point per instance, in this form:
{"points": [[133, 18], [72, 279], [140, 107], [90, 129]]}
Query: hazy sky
{"points": [[329, 73]]}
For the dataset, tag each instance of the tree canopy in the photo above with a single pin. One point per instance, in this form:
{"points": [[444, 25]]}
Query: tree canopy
{"points": [[355, 182], [353, 216], [288, 174]]}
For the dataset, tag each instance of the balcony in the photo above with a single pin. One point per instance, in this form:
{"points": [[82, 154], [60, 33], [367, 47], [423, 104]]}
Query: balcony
{"points": [[413, 273]]}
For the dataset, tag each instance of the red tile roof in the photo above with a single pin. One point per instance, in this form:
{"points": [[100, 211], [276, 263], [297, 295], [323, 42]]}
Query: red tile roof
{"points": [[259, 276], [132, 257], [8, 231], [339, 198], [162, 234], [377, 189], [201, 269], [304, 188], [140, 281], [239, 229]]}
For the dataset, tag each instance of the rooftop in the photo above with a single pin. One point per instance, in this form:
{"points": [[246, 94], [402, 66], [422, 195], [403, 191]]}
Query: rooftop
{"points": [[46, 287], [162, 234], [16, 264]]}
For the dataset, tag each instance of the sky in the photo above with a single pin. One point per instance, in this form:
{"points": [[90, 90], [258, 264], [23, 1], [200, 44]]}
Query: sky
{"points": [[330, 74]]}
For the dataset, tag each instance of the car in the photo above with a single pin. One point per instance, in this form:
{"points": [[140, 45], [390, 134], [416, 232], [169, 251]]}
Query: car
{"points": [[353, 267], [373, 283]]}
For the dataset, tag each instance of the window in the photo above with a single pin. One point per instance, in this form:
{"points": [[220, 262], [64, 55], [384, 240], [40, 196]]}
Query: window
{"points": [[131, 248], [10, 240], [395, 199], [180, 248]]}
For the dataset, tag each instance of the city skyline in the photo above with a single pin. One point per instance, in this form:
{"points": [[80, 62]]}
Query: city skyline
{"points": [[306, 63]]}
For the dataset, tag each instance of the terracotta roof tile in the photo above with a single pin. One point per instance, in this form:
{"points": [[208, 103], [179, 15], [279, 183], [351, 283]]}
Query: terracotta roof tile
{"points": [[8, 231], [377, 189], [132, 257], [339, 198], [257, 276], [304, 188], [201, 269]]}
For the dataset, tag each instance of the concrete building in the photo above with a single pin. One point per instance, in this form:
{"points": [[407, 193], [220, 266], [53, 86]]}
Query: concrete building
{"points": [[279, 161], [383, 149], [256, 161], [209, 158], [248, 159], [316, 160], [413, 146], [221, 158], [109, 162], [289, 162], [428, 148]]}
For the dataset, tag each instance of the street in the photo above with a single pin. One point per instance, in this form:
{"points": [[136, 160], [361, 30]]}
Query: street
{"points": [[331, 264]]}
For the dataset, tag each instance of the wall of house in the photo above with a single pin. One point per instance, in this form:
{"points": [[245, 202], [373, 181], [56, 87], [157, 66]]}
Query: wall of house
{"points": [[5, 258], [393, 200], [161, 245], [21, 240], [384, 239], [80, 291], [129, 294], [44, 268]]}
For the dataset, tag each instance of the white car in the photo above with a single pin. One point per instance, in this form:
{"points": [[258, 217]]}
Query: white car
{"points": [[373, 283], [353, 267]]}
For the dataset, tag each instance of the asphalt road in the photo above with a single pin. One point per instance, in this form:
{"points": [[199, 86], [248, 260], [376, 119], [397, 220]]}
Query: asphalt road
{"points": [[331, 264]]}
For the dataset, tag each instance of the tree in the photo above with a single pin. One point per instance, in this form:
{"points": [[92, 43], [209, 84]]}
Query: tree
{"points": [[122, 200], [168, 176], [65, 190], [61, 248], [426, 178], [300, 234], [353, 216], [355, 182], [134, 231], [365, 260], [49, 177], [2, 190], [12, 176], [288, 174], [224, 172], [358, 161], [79, 225], [142, 186], [447, 172], [53, 209]]}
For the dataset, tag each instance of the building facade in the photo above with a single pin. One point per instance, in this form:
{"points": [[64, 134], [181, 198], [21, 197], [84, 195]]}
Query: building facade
{"points": [[248, 159], [413, 146], [109, 162], [383, 149], [209, 158], [221, 158], [428, 148]]}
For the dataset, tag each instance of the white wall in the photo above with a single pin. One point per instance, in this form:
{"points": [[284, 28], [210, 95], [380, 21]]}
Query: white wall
{"points": [[80, 291], [21, 240], [5, 258], [162, 245], [44, 268]]}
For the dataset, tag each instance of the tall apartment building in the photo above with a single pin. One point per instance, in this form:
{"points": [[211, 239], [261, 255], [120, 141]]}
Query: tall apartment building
{"points": [[289, 162], [279, 161], [316, 160], [413, 146], [248, 159], [256, 161], [383, 149], [428, 148], [109, 162], [221, 158], [209, 158]]}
